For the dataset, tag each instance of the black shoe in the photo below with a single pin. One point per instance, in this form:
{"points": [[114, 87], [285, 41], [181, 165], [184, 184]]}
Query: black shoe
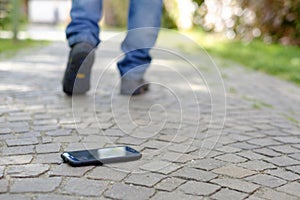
{"points": [[81, 59], [133, 87]]}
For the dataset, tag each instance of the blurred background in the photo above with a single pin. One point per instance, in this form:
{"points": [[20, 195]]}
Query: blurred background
{"points": [[250, 32]]}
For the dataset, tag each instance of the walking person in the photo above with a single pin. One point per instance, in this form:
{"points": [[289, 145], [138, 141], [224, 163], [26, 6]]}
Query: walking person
{"points": [[83, 37]]}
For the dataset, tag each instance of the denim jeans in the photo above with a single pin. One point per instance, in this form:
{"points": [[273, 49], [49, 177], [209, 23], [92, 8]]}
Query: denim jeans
{"points": [[143, 26]]}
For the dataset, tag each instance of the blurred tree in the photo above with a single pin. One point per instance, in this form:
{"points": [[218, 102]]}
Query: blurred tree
{"points": [[179, 12], [15, 18], [4, 13], [168, 19], [271, 20], [278, 20], [115, 13]]}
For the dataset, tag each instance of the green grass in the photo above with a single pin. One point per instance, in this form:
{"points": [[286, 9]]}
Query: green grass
{"points": [[278, 60], [9, 48], [256, 103]]}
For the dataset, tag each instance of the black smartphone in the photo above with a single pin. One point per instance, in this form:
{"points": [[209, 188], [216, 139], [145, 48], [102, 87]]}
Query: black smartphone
{"points": [[100, 156]]}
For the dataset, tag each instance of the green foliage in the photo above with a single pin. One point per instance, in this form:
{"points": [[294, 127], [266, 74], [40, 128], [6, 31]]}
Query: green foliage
{"points": [[278, 19], [115, 13], [270, 20], [6, 14], [9, 48], [275, 59], [5, 9], [167, 21], [198, 2]]}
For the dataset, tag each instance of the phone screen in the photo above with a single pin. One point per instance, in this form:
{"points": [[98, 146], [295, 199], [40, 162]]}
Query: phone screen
{"points": [[102, 153]]}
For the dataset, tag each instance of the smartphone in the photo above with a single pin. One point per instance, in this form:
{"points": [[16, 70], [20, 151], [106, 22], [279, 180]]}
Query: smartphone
{"points": [[100, 156]]}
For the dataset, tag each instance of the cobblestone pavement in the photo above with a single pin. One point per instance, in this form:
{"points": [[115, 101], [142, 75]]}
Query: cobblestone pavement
{"points": [[176, 126]]}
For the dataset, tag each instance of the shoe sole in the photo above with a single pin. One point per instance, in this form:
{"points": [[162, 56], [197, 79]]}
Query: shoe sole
{"points": [[81, 84]]}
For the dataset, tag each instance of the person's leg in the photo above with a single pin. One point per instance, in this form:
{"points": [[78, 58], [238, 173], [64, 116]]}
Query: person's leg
{"points": [[143, 26], [83, 36], [85, 15]]}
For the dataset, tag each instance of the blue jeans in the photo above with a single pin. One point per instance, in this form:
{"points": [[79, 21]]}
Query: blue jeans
{"points": [[143, 26]]}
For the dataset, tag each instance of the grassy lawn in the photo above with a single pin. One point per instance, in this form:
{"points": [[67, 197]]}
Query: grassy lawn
{"points": [[9, 48], [274, 59]]}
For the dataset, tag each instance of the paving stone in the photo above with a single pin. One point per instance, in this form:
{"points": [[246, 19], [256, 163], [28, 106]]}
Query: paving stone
{"points": [[59, 132], [295, 156], [257, 165], [14, 197], [35, 185], [236, 184], [283, 161], [101, 140], [251, 155], [84, 187], [150, 154], [144, 179], [66, 170], [15, 160], [228, 149], [284, 149], [55, 196], [113, 132], [231, 158], [155, 144], [123, 191], [291, 188], [266, 180], [51, 158], [263, 142], [25, 171], [182, 148], [160, 166], [173, 138], [198, 188], [80, 146], [229, 194], [194, 174], [283, 174], [22, 142], [44, 121], [45, 128], [48, 148], [129, 167], [130, 141], [46, 139], [267, 193], [207, 164], [170, 184], [172, 196], [288, 140], [244, 145], [253, 139], [2, 168], [177, 157], [89, 131], [19, 150], [295, 169], [70, 139], [18, 118], [234, 171], [107, 173], [20, 129], [296, 146], [3, 186], [5, 130], [267, 152]]}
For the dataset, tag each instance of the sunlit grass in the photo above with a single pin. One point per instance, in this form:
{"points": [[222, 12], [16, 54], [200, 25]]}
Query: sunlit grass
{"points": [[275, 59], [9, 48]]}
